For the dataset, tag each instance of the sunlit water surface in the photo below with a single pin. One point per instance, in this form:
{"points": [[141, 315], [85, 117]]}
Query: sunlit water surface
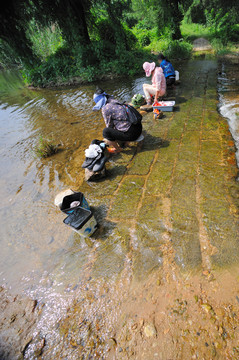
{"points": [[34, 241], [39, 254], [228, 88]]}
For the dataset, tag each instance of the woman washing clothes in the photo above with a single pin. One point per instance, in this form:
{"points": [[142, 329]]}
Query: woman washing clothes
{"points": [[118, 127], [168, 69], [158, 87]]}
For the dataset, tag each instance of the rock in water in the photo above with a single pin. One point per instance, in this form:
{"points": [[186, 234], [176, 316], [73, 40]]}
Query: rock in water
{"points": [[94, 176]]}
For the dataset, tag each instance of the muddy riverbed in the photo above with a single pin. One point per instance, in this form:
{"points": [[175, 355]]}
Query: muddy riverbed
{"points": [[159, 279]]}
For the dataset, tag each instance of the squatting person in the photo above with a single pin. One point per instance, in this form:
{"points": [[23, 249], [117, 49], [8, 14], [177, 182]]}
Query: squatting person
{"points": [[118, 127]]}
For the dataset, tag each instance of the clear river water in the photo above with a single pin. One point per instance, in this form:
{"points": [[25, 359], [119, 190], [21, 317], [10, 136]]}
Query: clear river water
{"points": [[40, 256]]}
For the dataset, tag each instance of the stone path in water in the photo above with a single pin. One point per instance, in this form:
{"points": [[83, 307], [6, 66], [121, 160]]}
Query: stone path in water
{"points": [[179, 191], [167, 249], [160, 275]]}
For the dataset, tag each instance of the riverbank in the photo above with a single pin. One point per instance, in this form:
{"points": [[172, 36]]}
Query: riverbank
{"points": [[160, 278]]}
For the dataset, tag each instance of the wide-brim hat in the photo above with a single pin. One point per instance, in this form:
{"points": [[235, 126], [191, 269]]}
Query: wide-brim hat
{"points": [[148, 68]]}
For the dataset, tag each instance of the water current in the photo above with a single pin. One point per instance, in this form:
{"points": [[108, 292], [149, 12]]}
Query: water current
{"points": [[228, 86], [40, 256], [33, 236]]}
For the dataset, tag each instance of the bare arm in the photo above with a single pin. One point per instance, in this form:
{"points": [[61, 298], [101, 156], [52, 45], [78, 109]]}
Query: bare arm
{"points": [[156, 95]]}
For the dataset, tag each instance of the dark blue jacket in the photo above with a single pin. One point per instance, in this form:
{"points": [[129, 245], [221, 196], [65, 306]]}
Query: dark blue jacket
{"points": [[167, 67]]}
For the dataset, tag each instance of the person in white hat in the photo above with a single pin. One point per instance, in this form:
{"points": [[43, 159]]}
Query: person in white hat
{"points": [[158, 87]]}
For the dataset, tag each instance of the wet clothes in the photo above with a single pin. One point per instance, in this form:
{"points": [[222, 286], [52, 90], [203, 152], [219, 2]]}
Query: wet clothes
{"points": [[95, 157], [168, 71]]}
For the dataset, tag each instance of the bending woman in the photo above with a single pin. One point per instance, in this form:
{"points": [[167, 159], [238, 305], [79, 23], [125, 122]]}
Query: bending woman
{"points": [[158, 87], [118, 127], [168, 69]]}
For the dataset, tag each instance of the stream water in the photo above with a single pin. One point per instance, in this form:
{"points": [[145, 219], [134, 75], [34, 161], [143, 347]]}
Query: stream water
{"points": [[33, 236], [40, 256], [228, 86]]}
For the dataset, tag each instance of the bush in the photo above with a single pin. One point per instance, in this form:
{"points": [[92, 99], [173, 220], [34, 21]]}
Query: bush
{"points": [[143, 37], [8, 58], [58, 67], [45, 40], [145, 40]]}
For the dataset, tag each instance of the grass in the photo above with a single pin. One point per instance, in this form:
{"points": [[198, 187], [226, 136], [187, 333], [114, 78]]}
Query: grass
{"points": [[191, 31], [45, 148]]}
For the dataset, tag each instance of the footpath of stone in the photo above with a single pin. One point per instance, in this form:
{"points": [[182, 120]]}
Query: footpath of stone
{"points": [[178, 194]]}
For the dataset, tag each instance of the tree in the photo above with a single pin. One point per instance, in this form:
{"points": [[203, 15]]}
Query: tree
{"points": [[221, 16], [16, 15], [111, 12], [70, 16], [163, 14], [13, 22]]}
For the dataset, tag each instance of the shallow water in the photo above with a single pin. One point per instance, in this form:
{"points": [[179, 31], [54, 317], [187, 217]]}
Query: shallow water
{"points": [[46, 260], [33, 237], [228, 89]]}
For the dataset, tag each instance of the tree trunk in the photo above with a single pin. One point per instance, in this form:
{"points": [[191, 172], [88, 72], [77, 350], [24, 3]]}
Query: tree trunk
{"points": [[176, 20]]}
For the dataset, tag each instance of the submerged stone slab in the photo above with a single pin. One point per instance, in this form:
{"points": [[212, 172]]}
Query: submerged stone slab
{"points": [[159, 179], [211, 152], [141, 163], [151, 222], [222, 230], [126, 200], [187, 249], [145, 261]]}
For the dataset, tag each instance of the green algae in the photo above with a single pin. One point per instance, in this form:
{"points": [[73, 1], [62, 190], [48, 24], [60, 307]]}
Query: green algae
{"points": [[141, 163], [151, 222], [184, 163], [126, 200]]}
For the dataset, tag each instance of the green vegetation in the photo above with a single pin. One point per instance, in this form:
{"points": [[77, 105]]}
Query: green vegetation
{"points": [[80, 41], [45, 148]]}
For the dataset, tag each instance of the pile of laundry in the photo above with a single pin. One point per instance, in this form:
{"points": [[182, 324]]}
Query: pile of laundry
{"points": [[138, 100], [95, 156]]}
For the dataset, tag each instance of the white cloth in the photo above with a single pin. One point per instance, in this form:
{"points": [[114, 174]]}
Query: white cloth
{"points": [[93, 151]]}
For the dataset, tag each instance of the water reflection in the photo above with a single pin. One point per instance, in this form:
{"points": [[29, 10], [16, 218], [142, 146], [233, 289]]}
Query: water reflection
{"points": [[34, 238], [32, 230]]}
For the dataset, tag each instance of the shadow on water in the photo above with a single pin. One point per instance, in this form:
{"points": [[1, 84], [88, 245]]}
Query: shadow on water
{"points": [[153, 142], [105, 226], [181, 100], [112, 172]]}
